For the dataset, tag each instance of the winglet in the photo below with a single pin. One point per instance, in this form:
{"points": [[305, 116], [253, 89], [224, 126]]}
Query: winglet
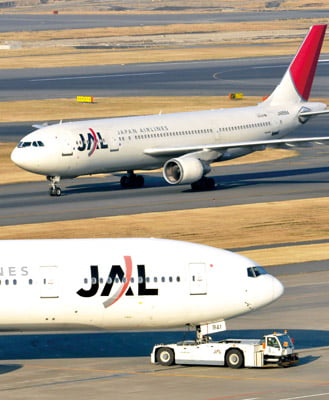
{"points": [[303, 66]]}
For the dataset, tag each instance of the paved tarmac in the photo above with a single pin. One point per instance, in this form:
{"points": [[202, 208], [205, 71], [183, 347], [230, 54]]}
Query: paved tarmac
{"points": [[306, 176], [116, 365], [41, 22], [253, 76]]}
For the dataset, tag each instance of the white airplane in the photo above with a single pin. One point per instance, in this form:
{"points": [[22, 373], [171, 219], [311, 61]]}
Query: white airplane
{"points": [[132, 283], [184, 144]]}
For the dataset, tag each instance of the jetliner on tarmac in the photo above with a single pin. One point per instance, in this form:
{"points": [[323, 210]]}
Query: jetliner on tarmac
{"points": [[132, 283], [184, 144]]}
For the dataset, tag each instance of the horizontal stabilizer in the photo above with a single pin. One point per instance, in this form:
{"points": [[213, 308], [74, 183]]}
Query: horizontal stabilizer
{"points": [[313, 113]]}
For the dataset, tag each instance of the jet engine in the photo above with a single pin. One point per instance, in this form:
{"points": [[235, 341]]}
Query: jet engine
{"points": [[184, 170]]}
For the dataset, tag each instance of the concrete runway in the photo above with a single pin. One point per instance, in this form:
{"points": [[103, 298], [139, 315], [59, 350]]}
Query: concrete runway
{"points": [[40, 22], [252, 76], [306, 176], [98, 365]]}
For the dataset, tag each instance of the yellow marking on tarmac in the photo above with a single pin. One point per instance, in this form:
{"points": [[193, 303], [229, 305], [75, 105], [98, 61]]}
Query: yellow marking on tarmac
{"points": [[173, 374]]}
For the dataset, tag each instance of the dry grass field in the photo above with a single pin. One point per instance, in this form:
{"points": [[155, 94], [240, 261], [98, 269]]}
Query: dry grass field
{"points": [[167, 6], [227, 227], [156, 43]]}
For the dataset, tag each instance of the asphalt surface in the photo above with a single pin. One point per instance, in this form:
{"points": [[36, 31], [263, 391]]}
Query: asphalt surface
{"points": [[41, 22], [306, 176], [98, 365], [252, 76]]}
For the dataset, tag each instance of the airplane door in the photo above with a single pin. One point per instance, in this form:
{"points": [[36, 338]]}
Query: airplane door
{"points": [[198, 279], [49, 282], [275, 125], [114, 142], [66, 143]]}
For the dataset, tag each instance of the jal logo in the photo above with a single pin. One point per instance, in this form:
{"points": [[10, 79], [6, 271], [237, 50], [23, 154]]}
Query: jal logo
{"points": [[91, 141], [117, 283]]}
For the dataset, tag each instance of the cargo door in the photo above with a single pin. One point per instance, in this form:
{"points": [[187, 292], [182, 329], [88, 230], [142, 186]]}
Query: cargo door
{"points": [[198, 279]]}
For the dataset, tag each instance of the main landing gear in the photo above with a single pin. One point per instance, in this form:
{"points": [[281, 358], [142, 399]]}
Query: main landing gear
{"points": [[54, 190], [131, 180]]}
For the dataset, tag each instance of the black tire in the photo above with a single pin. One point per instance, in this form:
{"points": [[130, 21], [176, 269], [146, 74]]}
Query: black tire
{"points": [[124, 181], [165, 356], [139, 181], [234, 358]]}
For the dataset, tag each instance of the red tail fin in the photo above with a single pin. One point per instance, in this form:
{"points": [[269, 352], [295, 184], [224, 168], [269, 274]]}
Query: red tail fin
{"points": [[303, 66]]}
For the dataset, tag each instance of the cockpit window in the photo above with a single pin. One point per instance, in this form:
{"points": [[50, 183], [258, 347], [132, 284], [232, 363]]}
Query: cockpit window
{"points": [[24, 144], [255, 271], [36, 143]]}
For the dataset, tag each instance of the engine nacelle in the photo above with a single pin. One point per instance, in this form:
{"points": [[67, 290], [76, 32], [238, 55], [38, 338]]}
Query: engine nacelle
{"points": [[184, 170]]}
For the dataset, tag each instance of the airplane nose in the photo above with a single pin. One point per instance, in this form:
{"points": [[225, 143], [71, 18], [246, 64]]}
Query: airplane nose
{"points": [[24, 159], [15, 156], [278, 288]]}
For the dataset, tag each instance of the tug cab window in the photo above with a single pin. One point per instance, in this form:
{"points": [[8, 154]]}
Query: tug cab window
{"points": [[254, 272]]}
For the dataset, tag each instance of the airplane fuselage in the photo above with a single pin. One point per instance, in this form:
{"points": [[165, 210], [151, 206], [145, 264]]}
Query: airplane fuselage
{"points": [[125, 284], [108, 145]]}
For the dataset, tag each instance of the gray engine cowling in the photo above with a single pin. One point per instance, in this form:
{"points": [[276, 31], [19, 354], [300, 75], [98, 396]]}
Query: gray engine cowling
{"points": [[184, 170]]}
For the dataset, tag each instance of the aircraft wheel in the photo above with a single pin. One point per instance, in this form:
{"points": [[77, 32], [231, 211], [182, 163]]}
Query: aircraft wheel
{"points": [[55, 191], [139, 181], [234, 358], [124, 181], [165, 356]]}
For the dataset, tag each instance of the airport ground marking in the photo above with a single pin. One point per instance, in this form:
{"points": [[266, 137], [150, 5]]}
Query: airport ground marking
{"points": [[305, 397], [175, 374]]}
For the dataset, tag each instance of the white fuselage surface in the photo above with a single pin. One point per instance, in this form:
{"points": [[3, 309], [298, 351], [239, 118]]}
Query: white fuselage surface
{"points": [[126, 284]]}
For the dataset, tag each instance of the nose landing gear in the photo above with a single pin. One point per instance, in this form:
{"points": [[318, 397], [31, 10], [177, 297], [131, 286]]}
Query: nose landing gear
{"points": [[54, 190]]}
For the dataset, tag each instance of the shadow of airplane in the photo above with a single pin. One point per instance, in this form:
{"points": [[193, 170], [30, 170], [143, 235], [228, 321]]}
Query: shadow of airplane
{"points": [[125, 344], [223, 181], [5, 369]]}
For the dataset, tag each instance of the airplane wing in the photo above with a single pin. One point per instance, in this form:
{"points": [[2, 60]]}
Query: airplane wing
{"points": [[221, 147]]}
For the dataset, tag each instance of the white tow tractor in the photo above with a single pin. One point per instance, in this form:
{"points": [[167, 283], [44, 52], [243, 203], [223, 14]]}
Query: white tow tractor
{"points": [[276, 349]]}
